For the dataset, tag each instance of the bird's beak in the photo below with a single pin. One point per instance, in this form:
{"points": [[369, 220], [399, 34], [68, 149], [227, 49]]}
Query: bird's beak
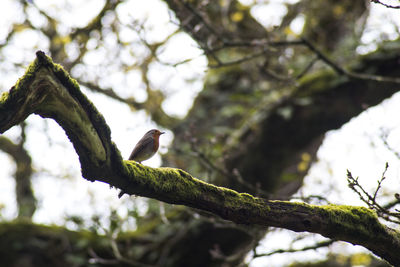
{"points": [[162, 133]]}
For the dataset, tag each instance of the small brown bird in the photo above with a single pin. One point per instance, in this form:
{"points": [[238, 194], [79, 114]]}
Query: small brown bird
{"points": [[147, 146], [145, 149]]}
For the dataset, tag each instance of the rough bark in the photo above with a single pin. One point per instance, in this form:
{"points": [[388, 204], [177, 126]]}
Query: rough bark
{"points": [[248, 111], [47, 90]]}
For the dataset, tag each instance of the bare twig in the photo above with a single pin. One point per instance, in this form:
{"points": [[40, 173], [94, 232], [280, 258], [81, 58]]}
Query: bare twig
{"points": [[371, 201], [218, 254], [110, 93], [385, 5], [306, 69], [322, 244], [265, 45], [384, 137], [234, 174], [380, 182], [169, 245], [240, 60], [342, 71], [119, 258]]}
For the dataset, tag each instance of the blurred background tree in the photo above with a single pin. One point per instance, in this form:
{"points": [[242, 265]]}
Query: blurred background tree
{"points": [[247, 91]]}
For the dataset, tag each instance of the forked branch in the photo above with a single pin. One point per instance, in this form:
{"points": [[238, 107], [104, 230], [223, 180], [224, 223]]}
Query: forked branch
{"points": [[47, 90]]}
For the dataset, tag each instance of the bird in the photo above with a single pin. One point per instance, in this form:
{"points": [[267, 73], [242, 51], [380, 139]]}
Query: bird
{"points": [[147, 146], [145, 149]]}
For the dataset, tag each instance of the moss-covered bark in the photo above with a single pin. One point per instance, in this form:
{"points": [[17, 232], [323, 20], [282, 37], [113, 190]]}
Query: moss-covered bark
{"points": [[44, 91], [244, 110]]}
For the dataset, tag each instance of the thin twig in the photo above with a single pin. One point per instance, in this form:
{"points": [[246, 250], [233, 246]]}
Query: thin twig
{"points": [[342, 71], [385, 5], [306, 69], [240, 60], [370, 200], [265, 44], [291, 250], [384, 138], [380, 182], [234, 174], [119, 257]]}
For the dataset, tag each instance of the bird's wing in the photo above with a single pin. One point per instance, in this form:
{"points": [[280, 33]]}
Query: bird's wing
{"points": [[140, 146]]}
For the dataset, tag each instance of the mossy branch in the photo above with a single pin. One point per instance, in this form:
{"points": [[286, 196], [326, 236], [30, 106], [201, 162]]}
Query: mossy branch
{"points": [[47, 90]]}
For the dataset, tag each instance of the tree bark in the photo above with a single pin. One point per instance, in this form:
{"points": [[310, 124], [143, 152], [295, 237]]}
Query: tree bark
{"points": [[47, 90], [26, 200]]}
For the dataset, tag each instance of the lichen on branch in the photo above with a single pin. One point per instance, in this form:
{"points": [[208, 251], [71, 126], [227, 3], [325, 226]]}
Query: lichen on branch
{"points": [[47, 90]]}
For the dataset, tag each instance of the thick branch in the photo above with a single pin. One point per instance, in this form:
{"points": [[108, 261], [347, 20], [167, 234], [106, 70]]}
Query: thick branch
{"points": [[47, 90], [23, 174]]}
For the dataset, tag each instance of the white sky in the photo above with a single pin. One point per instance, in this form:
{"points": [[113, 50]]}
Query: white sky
{"points": [[58, 184]]}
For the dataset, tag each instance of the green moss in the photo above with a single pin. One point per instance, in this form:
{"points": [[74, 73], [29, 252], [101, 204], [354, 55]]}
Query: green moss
{"points": [[74, 89], [351, 219], [347, 212], [246, 197], [9, 101], [172, 180], [176, 185], [3, 97], [22, 83], [100, 126], [28, 76]]}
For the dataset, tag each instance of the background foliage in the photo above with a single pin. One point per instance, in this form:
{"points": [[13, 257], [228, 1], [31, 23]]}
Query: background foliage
{"points": [[247, 92]]}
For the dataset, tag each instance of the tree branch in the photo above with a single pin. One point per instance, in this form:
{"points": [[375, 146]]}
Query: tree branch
{"points": [[321, 244], [47, 90], [23, 188], [385, 5], [340, 70]]}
